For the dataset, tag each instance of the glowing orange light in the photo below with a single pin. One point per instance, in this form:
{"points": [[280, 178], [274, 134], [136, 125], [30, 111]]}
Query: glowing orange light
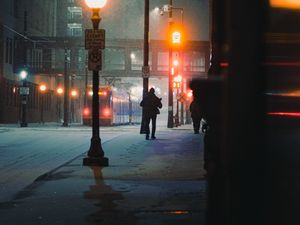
{"points": [[102, 93], [289, 4], [190, 94], [176, 37], [43, 87], [95, 4], [172, 71], [59, 90], [74, 93]]}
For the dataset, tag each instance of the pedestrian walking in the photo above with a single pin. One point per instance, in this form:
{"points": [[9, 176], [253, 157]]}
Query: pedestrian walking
{"points": [[151, 104]]}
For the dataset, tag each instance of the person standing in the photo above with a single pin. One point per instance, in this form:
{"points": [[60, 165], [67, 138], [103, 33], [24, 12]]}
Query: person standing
{"points": [[196, 115], [151, 104]]}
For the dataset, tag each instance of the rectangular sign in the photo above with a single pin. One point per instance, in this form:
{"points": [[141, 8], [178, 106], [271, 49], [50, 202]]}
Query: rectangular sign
{"points": [[95, 59], [24, 90], [94, 39]]}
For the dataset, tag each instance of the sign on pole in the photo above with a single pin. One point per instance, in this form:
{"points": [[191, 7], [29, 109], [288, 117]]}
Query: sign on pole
{"points": [[24, 90], [95, 59], [94, 39]]}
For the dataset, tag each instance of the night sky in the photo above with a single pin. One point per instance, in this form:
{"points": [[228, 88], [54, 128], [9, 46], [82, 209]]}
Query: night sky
{"points": [[125, 19]]}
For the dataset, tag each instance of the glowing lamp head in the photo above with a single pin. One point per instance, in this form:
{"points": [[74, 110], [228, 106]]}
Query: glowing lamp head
{"points": [[43, 87], [74, 93], [60, 90], [95, 4], [23, 74]]}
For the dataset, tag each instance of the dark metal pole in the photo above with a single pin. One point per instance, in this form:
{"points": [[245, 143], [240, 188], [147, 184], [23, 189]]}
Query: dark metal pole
{"points": [[42, 108], [66, 92], [86, 84], [146, 49], [24, 96], [145, 70], [95, 153], [170, 105]]}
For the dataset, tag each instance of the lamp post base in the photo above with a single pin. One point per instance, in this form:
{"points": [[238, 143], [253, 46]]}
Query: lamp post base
{"points": [[95, 161], [23, 124], [95, 154]]}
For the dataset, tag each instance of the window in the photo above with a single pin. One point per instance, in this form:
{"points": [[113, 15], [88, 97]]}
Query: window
{"points": [[136, 58], [114, 59], [163, 61], [74, 29], [194, 62], [74, 13]]}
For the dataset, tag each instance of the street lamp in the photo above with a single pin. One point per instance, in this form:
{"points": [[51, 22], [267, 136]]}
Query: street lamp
{"points": [[24, 91], [92, 39], [59, 92], [145, 68], [176, 41], [74, 95], [43, 89]]}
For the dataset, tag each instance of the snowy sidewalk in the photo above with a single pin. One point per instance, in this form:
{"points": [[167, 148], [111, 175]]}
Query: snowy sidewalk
{"points": [[147, 182]]}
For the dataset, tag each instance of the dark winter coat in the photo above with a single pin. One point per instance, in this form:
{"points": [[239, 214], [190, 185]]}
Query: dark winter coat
{"points": [[150, 105], [195, 110]]}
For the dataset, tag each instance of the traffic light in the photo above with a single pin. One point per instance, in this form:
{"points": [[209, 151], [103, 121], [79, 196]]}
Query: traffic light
{"points": [[177, 81], [176, 37]]}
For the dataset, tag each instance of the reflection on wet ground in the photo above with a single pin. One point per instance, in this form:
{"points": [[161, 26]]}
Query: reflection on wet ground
{"points": [[105, 199]]}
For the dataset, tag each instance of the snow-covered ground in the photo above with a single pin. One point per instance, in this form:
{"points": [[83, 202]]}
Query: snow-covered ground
{"points": [[27, 153]]}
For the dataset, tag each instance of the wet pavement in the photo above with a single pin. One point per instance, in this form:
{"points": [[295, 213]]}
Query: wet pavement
{"points": [[157, 182]]}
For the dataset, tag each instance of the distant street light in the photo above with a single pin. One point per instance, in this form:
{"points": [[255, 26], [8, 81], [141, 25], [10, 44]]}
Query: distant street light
{"points": [[59, 92], [74, 95], [176, 40], [92, 39], [43, 89], [24, 92]]}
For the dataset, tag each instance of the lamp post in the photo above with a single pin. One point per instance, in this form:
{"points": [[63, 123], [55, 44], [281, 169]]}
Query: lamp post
{"points": [[145, 69], [43, 89], [169, 8], [92, 39], [24, 91], [170, 99], [177, 85], [66, 87], [59, 92], [74, 95]]}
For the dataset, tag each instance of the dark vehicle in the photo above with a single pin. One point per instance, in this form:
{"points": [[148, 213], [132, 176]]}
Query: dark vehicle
{"points": [[117, 107]]}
